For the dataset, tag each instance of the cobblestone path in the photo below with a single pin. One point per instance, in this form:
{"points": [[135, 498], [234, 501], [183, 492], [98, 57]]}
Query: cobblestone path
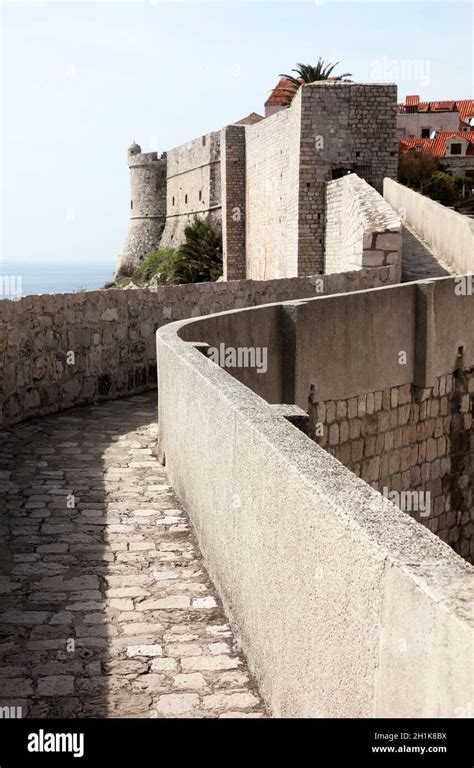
{"points": [[419, 260], [106, 607]]}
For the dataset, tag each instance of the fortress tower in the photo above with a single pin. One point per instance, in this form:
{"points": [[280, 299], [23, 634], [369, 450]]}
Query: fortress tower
{"points": [[147, 207]]}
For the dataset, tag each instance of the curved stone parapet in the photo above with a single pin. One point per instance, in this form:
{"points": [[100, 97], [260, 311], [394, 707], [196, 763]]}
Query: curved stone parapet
{"points": [[450, 234], [344, 604], [62, 350]]}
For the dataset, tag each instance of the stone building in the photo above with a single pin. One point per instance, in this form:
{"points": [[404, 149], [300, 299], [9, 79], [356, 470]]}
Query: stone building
{"points": [[147, 206], [264, 180], [422, 119], [454, 148]]}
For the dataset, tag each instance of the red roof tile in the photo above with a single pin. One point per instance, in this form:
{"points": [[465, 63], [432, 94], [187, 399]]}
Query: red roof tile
{"points": [[277, 96], [436, 106], [437, 146], [421, 145], [465, 107]]}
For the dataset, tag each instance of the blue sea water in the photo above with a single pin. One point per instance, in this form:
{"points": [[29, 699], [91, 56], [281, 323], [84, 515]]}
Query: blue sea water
{"points": [[23, 278]]}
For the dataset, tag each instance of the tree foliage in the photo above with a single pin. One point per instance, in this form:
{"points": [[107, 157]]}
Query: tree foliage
{"points": [[200, 257], [308, 73], [441, 187], [158, 264], [416, 168]]}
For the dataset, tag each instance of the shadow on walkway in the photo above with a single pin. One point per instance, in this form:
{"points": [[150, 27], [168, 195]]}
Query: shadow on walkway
{"points": [[106, 608], [418, 260]]}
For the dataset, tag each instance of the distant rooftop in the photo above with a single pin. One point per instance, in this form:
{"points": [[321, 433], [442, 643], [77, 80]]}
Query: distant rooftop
{"points": [[277, 96], [250, 119], [437, 145], [465, 107]]}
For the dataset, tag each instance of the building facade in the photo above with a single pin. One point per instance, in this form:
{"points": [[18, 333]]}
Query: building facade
{"points": [[422, 119], [264, 180]]}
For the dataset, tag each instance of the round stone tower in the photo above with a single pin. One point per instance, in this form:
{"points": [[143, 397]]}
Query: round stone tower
{"points": [[147, 207]]}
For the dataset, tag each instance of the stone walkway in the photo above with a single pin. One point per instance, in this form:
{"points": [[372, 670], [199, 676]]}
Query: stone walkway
{"points": [[419, 260], [107, 609]]}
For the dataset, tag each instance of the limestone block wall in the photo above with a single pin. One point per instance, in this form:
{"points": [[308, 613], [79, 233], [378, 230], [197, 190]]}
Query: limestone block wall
{"points": [[344, 126], [272, 171], [418, 443], [233, 185], [193, 186], [344, 605], [395, 406], [293, 154], [451, 234], [458, 166], [61, 350], [362, 230], [147, 209]]}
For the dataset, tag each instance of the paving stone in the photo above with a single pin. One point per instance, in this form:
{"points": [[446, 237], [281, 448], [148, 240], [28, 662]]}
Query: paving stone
{"points": [[109, 614], [177, 703], [230, 700], [420, 260], [209, 663], [193, 680], [144, 650]]}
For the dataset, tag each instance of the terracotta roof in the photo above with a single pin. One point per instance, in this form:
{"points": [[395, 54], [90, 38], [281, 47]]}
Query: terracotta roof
{"points": [[277, 98], [436, 106], [465, 107], [437, 146], [421, 145], [439, 142]]}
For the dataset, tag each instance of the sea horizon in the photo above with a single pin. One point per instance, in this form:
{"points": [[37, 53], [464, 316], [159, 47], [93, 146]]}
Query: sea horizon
{"points": [[25, 278]]}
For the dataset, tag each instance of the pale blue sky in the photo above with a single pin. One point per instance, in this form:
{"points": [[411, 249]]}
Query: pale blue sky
{"points": [[82, 80]]}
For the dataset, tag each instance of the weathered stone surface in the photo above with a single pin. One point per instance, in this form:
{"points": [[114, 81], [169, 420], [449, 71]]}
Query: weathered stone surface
{"points": [[117, 365], [56, 685], [144, 650], [107, 637], [177, 704], [361, 228], [420, 459]]}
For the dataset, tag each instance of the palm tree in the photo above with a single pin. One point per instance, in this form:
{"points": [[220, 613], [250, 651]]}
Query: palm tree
{"points": [[200, 257], [306, 73]]}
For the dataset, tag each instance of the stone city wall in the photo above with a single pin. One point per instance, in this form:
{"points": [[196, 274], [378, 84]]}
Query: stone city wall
{"points": [[147, 209], [395, 407], [272, 169], [344, 126], [233, 185], [344, 605], [449, 233], [362, 230], [329, 128], [61, 350], [416, 442], [193, 186]]}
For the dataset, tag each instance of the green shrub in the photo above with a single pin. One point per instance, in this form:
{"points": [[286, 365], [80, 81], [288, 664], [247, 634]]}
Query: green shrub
{"points": [[416, 168], [461, 180], [441, 187], [121, 282], [159, 264], [199, 259]]}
